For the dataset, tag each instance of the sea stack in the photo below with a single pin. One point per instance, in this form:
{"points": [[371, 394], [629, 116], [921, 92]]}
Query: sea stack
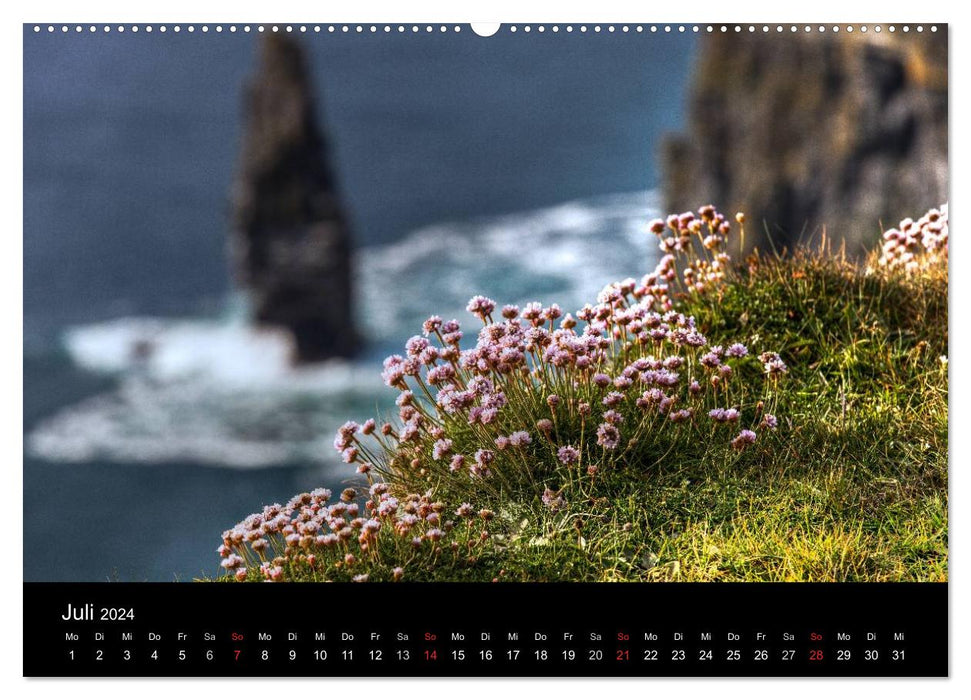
{"points": [[807, 132], [290, 244]]}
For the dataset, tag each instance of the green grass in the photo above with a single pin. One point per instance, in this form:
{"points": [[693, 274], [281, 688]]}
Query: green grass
{"points": [[852, 487]]}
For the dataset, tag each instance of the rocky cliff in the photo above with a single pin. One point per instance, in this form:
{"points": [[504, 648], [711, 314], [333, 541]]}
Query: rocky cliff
{"points": [[813, 132], [290, 244]]}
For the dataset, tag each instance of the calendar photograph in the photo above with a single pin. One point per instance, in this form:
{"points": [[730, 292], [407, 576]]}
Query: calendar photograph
{"points": [[589, 303]]}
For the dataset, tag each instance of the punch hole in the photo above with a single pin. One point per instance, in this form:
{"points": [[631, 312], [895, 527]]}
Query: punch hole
{"points": [[485, 28]]}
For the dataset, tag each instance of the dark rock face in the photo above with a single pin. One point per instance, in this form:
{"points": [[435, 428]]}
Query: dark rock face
{"points": [[290, 245], [813, 132]]}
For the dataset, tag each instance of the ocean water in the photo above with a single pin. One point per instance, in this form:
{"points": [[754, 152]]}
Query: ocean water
{"points": [[523, 169]]}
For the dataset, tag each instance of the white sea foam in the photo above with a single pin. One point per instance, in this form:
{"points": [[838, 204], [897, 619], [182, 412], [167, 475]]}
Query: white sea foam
{"points": [[563, 254], [219, 392], [227, 356]]}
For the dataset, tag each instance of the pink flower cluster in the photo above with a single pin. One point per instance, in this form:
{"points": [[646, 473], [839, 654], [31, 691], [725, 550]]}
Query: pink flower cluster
{"points": [[700, 240], [344, 541], [917, 245], [541, 391]]}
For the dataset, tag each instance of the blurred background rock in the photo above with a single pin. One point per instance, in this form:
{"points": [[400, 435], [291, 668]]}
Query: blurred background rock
{"points": [[290, 243], [813, 132]]}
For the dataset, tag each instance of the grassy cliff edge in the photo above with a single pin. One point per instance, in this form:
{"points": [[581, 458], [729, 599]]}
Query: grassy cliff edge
{"points": [[845, 481]]}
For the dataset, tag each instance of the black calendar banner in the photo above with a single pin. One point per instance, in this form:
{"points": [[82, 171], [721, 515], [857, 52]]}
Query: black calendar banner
{"points": [[558, 629]]}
